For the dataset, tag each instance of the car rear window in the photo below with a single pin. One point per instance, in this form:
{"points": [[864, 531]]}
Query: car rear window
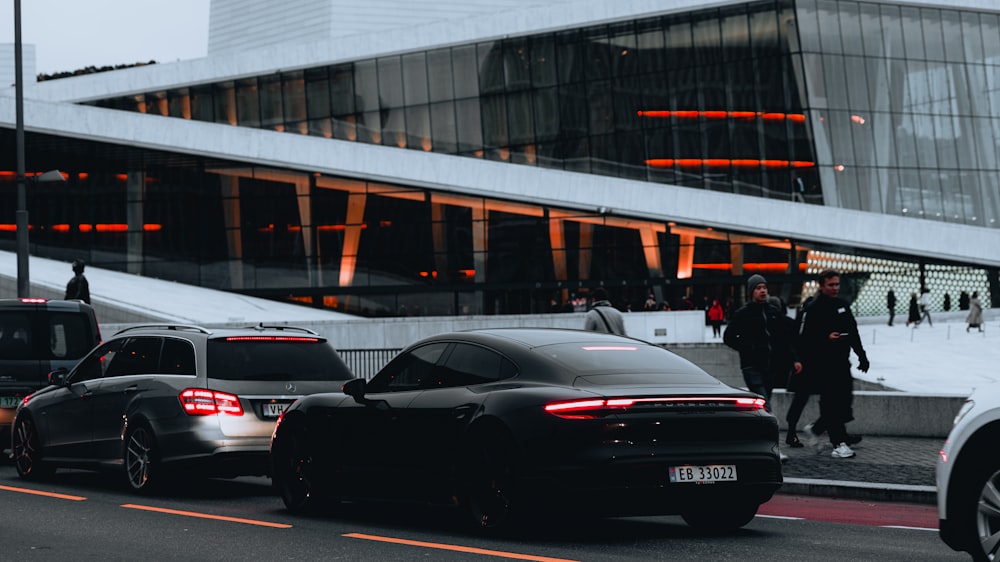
{"points": [[283, 359], [627, 359]]}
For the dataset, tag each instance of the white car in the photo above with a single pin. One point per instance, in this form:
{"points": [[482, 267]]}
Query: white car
{"points": [[968, 477]]}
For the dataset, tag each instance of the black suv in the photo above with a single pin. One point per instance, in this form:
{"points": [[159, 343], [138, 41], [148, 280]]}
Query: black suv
{"points": [[38, 336]]}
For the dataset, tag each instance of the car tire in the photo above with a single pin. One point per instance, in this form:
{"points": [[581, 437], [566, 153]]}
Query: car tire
{"points": [[721, 519], [141, 459], [489, 490], [26, 450], [292, 470], [977, 507]]}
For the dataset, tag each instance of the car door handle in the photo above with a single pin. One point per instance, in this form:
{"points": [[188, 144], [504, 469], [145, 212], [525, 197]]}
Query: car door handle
{"points": [[132, 388]]}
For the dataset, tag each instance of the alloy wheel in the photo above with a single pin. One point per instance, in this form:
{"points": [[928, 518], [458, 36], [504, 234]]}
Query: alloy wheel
{"points": [[988, 517], [138, 457]]}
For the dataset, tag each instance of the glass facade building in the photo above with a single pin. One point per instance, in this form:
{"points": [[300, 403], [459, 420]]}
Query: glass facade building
{"points": [[870, 106]]}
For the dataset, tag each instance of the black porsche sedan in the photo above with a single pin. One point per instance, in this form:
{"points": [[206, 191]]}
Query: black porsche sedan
{"points": [[504, 423]]}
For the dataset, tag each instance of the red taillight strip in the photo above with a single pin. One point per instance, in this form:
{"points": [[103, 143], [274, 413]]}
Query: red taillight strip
{"points": [[592, 408], [204, 402], [270, 338]]}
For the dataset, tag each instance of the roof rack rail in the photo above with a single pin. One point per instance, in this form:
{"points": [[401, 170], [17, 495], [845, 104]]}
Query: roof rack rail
{"points": [[185, 327], [263, 326]]}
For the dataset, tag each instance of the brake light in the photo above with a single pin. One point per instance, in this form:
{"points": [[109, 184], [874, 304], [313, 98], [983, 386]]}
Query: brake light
{"points": [[598, 407], [34, 301], [204, 402], [271, 338]]}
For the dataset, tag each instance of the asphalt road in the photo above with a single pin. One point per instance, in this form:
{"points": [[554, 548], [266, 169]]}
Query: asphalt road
{"points": [[78, 515]]}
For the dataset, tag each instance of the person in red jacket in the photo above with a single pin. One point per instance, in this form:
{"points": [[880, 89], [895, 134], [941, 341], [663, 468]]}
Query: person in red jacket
{"points": [[716, 314]]}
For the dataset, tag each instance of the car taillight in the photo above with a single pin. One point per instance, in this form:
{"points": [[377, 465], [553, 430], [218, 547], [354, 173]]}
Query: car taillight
{"points": [[204, 402], [598, 407]]}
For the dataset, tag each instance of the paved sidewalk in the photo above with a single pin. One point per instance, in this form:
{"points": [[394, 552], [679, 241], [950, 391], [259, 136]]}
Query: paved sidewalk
{"points": [[885, 468]]}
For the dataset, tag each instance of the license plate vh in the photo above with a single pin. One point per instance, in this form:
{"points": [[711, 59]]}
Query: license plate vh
{"points": [[703, 474]]}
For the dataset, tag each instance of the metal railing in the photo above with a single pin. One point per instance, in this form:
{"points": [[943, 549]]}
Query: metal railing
{"points": [[365, 363]]}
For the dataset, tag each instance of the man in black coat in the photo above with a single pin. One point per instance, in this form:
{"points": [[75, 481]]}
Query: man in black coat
{"points": [[761, 336], [827, 334]]}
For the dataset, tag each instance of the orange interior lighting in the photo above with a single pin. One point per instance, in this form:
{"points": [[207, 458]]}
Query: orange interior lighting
{"points": [[726, 163], [745, 115]]}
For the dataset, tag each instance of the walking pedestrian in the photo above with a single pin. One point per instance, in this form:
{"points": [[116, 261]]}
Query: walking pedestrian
{"points": [[78, 288], [763, 340], [913, 313], [925, 306], [975, 317], [716, 314], [890, 303], [602, 316], [827, 334]]}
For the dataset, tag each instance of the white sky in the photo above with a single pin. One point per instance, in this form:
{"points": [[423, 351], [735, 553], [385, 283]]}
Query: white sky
{"points": [[72, 34]]}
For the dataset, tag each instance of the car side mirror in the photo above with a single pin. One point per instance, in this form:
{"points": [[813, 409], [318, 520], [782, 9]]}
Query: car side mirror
{"points": [[355, 388], [58, 377]]}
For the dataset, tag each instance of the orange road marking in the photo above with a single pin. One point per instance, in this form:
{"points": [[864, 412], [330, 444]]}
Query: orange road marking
{"points": [[456, 548], [207, 516], [41, 493]]}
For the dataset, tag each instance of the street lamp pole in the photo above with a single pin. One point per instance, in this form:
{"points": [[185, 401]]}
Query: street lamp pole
{"points": [[23, 284]]}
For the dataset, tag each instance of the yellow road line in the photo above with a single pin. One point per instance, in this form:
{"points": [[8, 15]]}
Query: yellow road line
{"points": [[457, 548], [207, 516], [41, 493]]}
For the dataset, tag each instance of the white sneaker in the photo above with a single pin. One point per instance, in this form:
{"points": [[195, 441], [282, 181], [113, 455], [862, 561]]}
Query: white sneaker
{"points": [[842, 452], [811, 439], [782, 457]]}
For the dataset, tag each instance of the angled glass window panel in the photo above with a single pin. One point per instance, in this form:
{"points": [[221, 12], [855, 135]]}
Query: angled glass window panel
{"points": [[570, 56], [679, 44], [369, 127], [294, 100], [712, 87], [869, 185], [877, 81], [776, 141], [848, 191], [573, 115], [863, 139], [517, 64], [247, 103], [418, 128], [992, 79], [415, 79], [574, 153], [857, 85], [469, 125], [202, 104], [745, 135], [948, 129], [740, 81], [365, 86], [465, 69], [628, 101], [897, 94], [991, 37], [933, 39], [707, 37], [317, 93], [906, 147], [749, 181], [651, 46], [972, 197], [815, 79], [717, 140], [631, 155], [951, 31], [970, 37], [925, 136], [495, 131], [918, 93], [884, 138], [965, 139], [841, 138], [764, 37], [769, 79], [892, 31], [597, 52], [439, 79], [544, 70], [624, 51], [835, 78], [909, 200], [600, 107], [807, 22], [489, 60], [519, 118], [871, 30], [850, 28], [913, 32], [828, 15], [735, 34], [604, 155], [393, 127], [271, 114], [390, 82], [444, 136], [546, 113], [180, 103], [932, 197], [342, 93]]}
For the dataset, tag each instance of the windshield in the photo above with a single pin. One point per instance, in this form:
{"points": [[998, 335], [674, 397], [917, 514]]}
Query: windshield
{"points": [[628, 360], [284, 359]]}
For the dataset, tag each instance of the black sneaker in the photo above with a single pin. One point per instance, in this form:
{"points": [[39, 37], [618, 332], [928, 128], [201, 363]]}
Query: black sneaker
{"points": [[853, 439], [792, 440]]}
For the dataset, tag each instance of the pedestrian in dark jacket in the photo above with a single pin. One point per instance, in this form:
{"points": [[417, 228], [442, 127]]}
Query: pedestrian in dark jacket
{"points": [[759, 333], [78, 288], [890, 303], [827, 334], [913, 313]]}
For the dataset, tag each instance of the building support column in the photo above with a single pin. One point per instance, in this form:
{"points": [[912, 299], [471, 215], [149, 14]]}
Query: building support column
{"points": [[557, 240], [480, 249], [234, 231], [135, 186], [586, 250], [685, 257], [352, 237], [303, 197], [439, 239]]}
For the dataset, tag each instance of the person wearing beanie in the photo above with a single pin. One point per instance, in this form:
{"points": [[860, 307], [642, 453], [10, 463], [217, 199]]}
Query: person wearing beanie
{"points": [[602, 316], [763, 339]]}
